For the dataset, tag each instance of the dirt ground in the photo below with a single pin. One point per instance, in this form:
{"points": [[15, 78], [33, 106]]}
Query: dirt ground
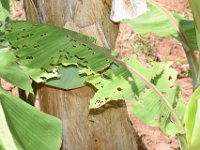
{"points": [[163, 49]]}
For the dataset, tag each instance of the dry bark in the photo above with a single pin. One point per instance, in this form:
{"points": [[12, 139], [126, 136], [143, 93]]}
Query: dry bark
{"points": [[109, 129]]}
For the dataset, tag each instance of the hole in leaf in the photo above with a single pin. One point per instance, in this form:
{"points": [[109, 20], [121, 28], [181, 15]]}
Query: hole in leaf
{"points": [[97, 83], [24, 46], [42, 35], [14, 47], [169, 78], [8, 30], [74, 46], [36, 46], [43, 78], [29, 57], [25, 36], [119, 89], [130, 78]]}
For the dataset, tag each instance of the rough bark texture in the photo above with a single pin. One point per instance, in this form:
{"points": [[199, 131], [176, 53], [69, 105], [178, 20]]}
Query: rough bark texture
{"points": [[76, 13], [109, 129]]}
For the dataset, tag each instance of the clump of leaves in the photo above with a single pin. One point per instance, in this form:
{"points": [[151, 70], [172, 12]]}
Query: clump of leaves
{"points": [[59, 57], [95, 65]]}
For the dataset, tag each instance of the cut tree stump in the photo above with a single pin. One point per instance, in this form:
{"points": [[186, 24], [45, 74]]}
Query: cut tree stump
{"points": [[108, 129]]}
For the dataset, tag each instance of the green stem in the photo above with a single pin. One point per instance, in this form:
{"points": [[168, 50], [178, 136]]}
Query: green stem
{"points": [[182, 141], [194, 67]]}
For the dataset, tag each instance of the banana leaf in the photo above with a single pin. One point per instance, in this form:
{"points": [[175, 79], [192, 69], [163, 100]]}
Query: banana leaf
{"points": [[41, 49], [11, 72], [192, 121], [195, 6], [45, 52], [164, 23], [24, 127], [119, 84]]}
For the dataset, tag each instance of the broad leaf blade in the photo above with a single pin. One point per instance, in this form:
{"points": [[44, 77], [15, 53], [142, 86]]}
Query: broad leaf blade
{"points": [[192, 121], [11, 72], [115, 84], [5, 4], [156, 21], [120, 84], [195, 6], [41, 58], [3, 17], [69, 78], [42, 49], [30, 128], [6, 139]]}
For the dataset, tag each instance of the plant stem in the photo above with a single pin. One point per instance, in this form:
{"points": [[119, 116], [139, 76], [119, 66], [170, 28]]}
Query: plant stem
{"points": [[182, 141], [31, 97], [193, 67], [22, 94], [140, 76]]}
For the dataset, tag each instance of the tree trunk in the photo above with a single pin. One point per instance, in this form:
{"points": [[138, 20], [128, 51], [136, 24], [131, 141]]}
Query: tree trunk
{"points": [[109, 129]]}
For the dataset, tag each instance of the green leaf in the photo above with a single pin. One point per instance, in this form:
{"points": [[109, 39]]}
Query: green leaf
{"points": [[11, 72], [42, 51], [195, 6], [154, 113], [3, 18], [65, 81], [5, 4], [24, 127], [67, 73], [41, 58], [115, 84], [157, 21], [119, 84], [192, 121], [7, 141]]}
